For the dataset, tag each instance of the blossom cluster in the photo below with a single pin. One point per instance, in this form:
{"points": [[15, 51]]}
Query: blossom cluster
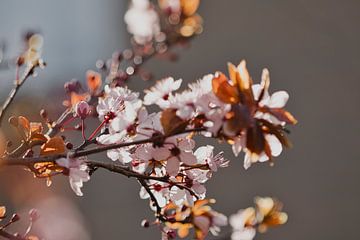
{"points": [[267, 213], [158, 148]]}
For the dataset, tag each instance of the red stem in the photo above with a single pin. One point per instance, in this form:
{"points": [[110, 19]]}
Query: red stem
{"points": [[96, 130]]}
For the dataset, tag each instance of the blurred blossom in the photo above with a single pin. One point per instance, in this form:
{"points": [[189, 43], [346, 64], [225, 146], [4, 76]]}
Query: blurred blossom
{"points": [[142, 21], [60, 219]]}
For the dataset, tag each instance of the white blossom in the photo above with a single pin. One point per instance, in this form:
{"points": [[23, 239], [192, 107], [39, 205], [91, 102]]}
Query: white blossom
{"points": [[142, 21], [78, 172]]}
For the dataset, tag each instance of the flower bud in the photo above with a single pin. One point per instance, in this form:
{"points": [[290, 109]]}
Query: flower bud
{"points": [[82, 109], [36, 42], [13, 121], [69, 145], [34, 214], [145, 223], [15, 217], [43, 113], [171, 234]]}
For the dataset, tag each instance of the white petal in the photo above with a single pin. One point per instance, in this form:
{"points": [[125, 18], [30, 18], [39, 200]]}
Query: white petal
{"points": [[176, 85], [113, 155], [275, 144], [238, 145], [278, 99], [247, 160]]}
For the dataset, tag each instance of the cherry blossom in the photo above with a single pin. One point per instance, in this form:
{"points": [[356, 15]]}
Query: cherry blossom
{"points": [[161, 92], [159, 149], [78, 172], [160, 191]]}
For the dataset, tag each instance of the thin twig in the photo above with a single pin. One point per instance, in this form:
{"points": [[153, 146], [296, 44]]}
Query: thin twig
{"points": [[18, 83]]}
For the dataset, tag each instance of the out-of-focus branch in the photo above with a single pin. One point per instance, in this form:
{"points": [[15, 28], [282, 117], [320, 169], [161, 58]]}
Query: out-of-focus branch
{"points": [[18, 83], [10, 236]]}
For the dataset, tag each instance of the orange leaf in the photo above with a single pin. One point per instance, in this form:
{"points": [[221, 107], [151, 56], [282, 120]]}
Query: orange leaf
{"points": [[226, 92], [282, 115], [37, 137], [2, 212], [93, 81], [24, 123], [54, 145], [189, 7], [32, 238], [75, 98], [2, 143], [244, 84], [36, 127]]}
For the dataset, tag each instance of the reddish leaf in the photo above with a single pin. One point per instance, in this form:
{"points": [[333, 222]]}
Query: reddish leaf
{"points": [[54, 145], [282, 115], [94, 81], [75, 98], [226, 92]]}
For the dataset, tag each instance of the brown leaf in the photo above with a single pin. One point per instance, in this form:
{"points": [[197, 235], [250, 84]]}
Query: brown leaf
{"points": [[37, 138], [255, 139], [226, 92], [25, 124], [54, 145], [244, 83], [94, 81], [171, 123], [237, 119], [36, 127]]}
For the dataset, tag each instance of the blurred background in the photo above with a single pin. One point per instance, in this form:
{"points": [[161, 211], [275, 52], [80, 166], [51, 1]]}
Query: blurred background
{"points": [[312, 51]]}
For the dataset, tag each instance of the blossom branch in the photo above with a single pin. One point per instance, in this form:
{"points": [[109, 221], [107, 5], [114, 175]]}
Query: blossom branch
{"points": [[9, 161]]}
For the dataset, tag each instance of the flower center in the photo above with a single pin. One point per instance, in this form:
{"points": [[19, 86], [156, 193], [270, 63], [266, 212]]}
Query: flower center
{"points": [[157, 187], [109, 116], [166, 97], [175, 151]]}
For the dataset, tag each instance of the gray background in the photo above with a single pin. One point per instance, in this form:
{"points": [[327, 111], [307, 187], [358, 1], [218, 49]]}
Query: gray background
{"points": [[312, 51]]}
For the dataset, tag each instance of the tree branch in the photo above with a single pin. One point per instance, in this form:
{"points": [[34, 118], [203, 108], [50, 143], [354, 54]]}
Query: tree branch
{"points": [[14, 91], [9, 161]]}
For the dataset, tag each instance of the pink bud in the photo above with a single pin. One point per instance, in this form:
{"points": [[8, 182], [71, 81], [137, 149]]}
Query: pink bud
{"points": [[171, 234], [82, 109], [34, 215], [15, 217]]}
